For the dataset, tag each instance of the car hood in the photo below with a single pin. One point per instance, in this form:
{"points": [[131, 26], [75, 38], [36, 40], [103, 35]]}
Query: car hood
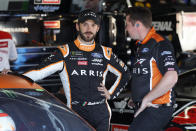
{"points": [[33, 108]]}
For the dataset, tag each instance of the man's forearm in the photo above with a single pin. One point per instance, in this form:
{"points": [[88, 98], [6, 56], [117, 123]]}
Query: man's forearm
{"points": [[166, 83]]}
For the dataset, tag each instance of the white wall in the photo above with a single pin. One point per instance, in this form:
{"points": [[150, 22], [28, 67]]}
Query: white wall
{"points": [[186, 30]]}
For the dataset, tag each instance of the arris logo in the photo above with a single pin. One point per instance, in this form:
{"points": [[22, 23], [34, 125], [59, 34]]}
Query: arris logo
{"points": [[87, 73]]}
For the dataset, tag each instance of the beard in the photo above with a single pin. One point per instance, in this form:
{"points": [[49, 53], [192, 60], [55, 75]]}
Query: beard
{"points": [[87, 36]]}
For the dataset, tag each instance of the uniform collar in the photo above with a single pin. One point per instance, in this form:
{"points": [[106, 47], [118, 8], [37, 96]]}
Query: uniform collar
{"points": [[148, 36], [84, 47]]}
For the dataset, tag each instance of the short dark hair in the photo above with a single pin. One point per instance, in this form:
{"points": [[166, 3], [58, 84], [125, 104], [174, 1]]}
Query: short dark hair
{"points": [[142, 14]]}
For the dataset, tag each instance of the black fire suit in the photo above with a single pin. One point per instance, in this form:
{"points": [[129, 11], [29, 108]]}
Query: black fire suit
{"points": [[82, 68]]}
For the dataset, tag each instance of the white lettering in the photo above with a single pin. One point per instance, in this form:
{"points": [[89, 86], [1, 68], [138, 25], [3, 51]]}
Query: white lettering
{"points": [[97, 60], [100, 74], [162, 26], [169, 58], [46, 8], [19, 29], [166, 53], [98, 64], [140, 71], [145, 71], [91, 73], [86, 73], [74, 73], [83, 72], [169, 63]]}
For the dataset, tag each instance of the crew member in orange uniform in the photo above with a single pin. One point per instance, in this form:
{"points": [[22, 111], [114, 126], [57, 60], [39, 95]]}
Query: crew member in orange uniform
{"points": [[154, 73]]}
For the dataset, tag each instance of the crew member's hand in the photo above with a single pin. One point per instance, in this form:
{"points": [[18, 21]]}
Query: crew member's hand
{"points": [[104, 91], [143, 106], [130, 103], [5, 71]]}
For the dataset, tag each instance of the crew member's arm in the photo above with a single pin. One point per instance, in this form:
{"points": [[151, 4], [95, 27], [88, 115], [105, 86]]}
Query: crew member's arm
{"points": [[167, 83], [167, 65]]}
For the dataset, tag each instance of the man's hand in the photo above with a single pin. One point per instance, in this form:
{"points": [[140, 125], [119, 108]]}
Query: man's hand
{"points": [[130, 103], [104, 91], [5, 71], [143, 106]]}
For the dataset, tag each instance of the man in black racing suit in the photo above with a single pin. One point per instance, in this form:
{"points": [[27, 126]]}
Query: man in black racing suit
{"points": [[83, 66]]}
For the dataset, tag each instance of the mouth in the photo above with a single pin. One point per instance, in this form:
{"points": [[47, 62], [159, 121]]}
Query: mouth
{"points": [[89, 33]]}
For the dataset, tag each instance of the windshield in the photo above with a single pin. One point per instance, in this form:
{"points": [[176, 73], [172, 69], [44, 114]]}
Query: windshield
{"points": [[35, 109]]}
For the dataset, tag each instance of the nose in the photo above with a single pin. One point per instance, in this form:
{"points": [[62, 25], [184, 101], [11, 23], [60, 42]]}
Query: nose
{"points": [[90, 27]]}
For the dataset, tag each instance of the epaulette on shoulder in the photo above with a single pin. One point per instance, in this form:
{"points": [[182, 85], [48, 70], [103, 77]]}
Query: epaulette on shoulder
{"points": [[64, 49], [107, 52]]}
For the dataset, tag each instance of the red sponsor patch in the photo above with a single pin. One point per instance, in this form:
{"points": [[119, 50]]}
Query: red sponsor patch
{"points": [[118, 127], [51, 1], [3, 44], [52, 24], [82, 62]]}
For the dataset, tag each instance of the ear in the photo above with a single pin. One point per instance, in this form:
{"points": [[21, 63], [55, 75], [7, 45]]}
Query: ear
{"points": [[77, 26]]}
